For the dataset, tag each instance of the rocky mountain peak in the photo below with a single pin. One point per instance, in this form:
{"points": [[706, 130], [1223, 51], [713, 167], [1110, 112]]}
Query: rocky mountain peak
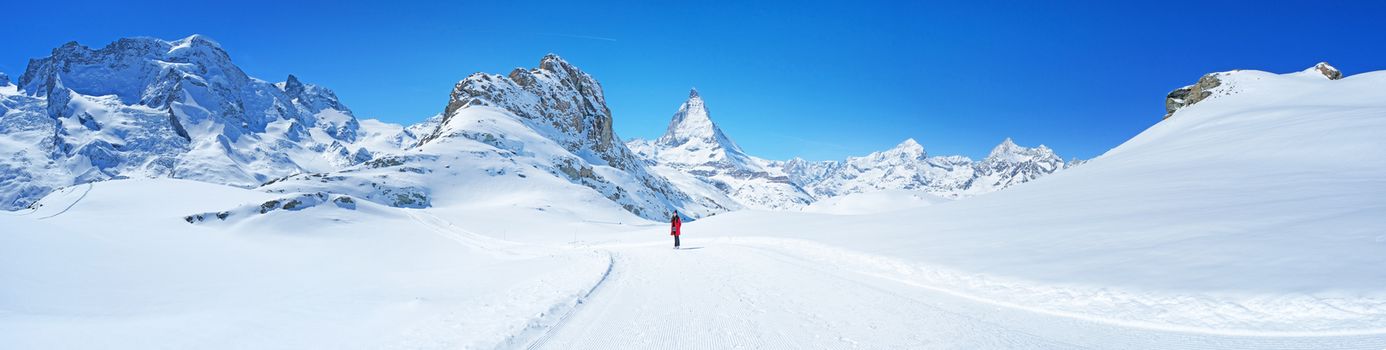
{"points": [[693, 124], [695, 146], [4, 79], [293, 87], [555, 95], [1008, 151], [1006, 147], [555, 64], [193, 40], [908, 149], [1327, 71]]}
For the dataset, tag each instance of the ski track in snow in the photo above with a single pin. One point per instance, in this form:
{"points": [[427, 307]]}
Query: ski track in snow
{"points": [[86, 188], [542, 339], [735, 295]]}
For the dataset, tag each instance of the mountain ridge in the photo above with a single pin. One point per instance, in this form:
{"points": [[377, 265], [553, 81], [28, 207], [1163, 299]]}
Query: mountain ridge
{"points": [[145, 107], [695, 145]]}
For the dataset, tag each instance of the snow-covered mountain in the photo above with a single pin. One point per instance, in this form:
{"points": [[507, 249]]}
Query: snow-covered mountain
{"points": [[143, 107], [908, 166], [694, 145], [521, 139]]}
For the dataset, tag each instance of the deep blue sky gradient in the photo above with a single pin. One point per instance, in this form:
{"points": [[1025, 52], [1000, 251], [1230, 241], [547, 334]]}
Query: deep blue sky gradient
{"points": [[821, 80]]}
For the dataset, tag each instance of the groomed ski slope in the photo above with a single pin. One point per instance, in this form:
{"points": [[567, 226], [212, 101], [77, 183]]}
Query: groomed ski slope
{"points": [[732, 293]]}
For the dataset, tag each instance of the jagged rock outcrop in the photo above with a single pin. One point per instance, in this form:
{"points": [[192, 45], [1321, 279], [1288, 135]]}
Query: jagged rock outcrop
{"points": [[1328, 71], [1213, 84], [555, 94], [1189, 95]]}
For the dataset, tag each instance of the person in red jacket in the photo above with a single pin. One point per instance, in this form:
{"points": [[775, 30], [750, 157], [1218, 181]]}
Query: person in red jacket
{"points": [[674, 228]]}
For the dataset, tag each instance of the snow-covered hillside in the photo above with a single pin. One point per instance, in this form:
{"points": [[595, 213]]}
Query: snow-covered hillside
{"points": [[694, 145], [143, 107], [115, 265], [1257, 209], [521, 140]]}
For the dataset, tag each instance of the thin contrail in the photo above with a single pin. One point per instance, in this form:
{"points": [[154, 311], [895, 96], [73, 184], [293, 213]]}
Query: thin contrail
{"points": [[580, 36]]}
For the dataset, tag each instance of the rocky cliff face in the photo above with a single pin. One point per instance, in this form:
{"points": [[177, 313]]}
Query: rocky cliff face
{"points": [[556, 95], [143, 107]]}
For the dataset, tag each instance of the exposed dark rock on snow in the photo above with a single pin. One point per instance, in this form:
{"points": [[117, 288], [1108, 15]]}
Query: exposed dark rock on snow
{"points": [[1328, 71], [1211, 85], [293, 203], [1189, 95]]}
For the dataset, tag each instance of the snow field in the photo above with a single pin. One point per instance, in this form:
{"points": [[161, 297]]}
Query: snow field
{"points": [[121, 269]]}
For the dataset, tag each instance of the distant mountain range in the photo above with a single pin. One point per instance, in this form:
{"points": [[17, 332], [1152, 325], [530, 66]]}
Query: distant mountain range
{"points": [[143, 107], [694, 146]]}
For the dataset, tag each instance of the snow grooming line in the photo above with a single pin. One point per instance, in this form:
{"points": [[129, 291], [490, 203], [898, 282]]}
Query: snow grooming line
{"points": [[542, 328], [891, 269]]}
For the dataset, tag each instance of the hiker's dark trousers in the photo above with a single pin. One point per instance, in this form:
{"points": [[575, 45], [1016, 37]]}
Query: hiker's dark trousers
{"points": [[676, 241]]}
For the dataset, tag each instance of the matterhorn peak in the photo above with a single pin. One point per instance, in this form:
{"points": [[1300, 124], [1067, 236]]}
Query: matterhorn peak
{"points": [[693, 122], [1326, 70]]}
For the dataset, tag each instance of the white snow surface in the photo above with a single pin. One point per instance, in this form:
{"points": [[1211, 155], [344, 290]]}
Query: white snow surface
{"points": [[874, 202], [113, 265]]}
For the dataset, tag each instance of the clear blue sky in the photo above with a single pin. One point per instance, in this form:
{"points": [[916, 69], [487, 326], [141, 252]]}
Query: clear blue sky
{"points": [[783, 78]]}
